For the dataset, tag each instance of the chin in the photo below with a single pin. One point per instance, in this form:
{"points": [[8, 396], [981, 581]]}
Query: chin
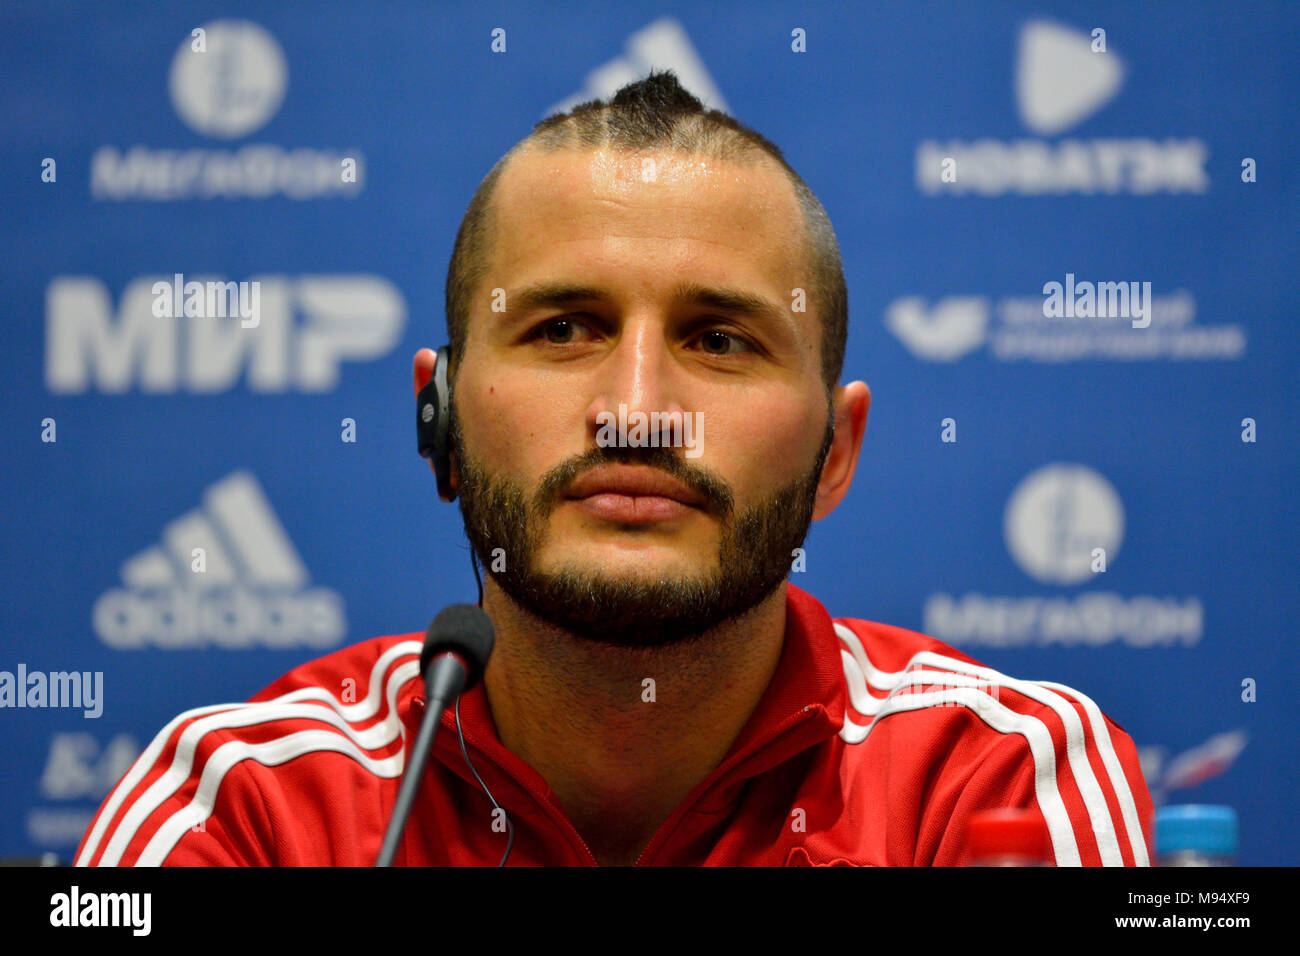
{"points": [[634, 560]]}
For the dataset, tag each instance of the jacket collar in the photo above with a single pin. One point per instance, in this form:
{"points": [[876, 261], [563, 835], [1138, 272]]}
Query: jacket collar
{"points": [[803, 705], [807, 691]]}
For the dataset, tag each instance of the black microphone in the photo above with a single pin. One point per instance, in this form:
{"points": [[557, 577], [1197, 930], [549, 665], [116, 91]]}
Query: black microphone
{"points": [[456, 650]]}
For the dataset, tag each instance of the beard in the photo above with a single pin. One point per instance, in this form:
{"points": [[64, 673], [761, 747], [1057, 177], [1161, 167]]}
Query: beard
{"points": [[754, 552]]}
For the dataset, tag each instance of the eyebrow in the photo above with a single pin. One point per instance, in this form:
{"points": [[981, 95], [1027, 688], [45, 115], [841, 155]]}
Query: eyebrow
{"points": [[543, 295]]}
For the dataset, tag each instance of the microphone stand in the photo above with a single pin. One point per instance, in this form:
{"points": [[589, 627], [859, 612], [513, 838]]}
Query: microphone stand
{"points": [[443, 679]]}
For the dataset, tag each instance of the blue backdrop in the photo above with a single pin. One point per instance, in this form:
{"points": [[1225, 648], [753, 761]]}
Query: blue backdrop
{"points": [[968, 155]]}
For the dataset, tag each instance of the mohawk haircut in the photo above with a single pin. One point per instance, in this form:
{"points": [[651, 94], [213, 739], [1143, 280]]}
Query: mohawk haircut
{"points": [[657, 112]]}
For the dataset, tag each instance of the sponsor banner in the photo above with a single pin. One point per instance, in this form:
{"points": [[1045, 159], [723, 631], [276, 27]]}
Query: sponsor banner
{"points": [[1069, 244]]}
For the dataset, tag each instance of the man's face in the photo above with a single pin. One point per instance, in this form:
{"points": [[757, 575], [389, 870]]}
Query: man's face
{"points": [[588, 539]]}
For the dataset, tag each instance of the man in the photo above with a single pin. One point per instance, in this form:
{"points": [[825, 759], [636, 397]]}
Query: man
{"points": [[658, 692]]}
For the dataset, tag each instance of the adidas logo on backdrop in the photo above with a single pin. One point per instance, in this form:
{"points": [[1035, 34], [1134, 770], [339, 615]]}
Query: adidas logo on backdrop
{"points": [[224, 575]]}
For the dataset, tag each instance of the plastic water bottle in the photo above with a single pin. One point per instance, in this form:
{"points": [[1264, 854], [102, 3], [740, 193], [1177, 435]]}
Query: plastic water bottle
{"points": [[1196, 835], [1008, 837]]}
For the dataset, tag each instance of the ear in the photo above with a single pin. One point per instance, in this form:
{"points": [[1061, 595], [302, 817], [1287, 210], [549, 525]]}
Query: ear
{"points": [[850, 404], [422, 374], [425, 360]]}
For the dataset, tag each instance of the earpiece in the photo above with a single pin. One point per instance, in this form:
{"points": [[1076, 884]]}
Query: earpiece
{"points": [[433, 424]]}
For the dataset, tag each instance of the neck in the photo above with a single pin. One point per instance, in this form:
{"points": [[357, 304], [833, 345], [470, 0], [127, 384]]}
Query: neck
{"points": [[622, 735]]}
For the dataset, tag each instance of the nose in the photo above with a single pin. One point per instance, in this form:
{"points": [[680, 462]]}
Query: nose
{"points": [[638, 377]]}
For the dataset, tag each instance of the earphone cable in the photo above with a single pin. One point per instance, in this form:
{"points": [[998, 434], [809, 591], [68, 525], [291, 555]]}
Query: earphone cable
{"points": [[510, 827], [473, 563]]}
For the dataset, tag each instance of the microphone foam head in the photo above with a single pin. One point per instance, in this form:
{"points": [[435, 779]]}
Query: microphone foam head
{"points": [[465, 629]]}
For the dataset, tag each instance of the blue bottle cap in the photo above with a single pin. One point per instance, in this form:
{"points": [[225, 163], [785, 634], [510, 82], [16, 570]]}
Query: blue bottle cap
{"points": [[1199, 828]]}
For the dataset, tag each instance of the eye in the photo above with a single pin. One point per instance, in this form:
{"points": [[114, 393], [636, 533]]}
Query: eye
{"points": [[718, 342], [560, 331]]}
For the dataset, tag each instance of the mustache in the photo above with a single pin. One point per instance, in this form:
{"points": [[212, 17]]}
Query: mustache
{"points": [[716, 493]]}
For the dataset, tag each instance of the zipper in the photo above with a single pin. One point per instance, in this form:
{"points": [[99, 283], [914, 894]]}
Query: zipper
{"points": [[722, 773]]}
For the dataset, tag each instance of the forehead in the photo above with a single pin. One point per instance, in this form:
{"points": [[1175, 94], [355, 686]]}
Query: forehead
{"points": [[635, 215]]}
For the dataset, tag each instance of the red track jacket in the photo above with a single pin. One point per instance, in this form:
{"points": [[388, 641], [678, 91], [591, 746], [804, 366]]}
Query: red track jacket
{"points": [[872, 746]]}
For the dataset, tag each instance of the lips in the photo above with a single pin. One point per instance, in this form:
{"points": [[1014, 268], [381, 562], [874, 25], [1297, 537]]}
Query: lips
{"points": [[633, 495], [634, 482]]}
